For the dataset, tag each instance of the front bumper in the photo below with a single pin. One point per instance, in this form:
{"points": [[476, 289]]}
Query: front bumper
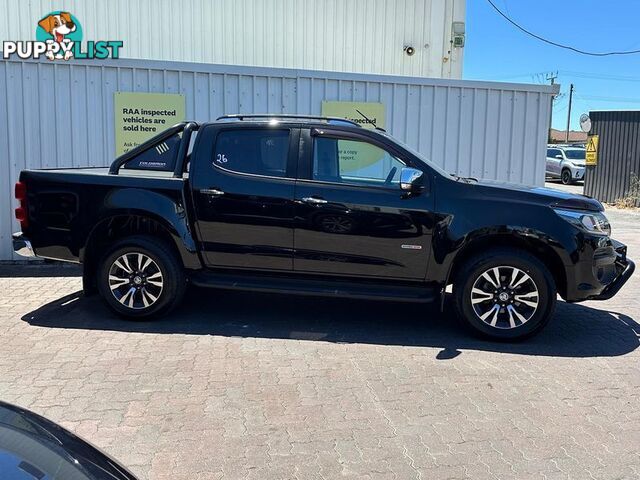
{"points": [[577, 173], [22, 245], [601, 274], [613, 288]]}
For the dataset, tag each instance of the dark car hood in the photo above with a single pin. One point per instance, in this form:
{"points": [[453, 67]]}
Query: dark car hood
{"points": [[32, 447], [548, 196]]}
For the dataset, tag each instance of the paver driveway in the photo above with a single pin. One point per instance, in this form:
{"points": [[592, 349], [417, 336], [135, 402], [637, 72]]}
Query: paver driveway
{"points": [[236, 385]]}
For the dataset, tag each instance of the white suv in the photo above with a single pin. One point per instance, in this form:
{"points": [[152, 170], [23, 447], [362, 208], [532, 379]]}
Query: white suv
{"points": [[565, 163]]}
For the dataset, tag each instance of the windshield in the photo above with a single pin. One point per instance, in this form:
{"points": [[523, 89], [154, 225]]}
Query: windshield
{"points": [[411, 150], [575, 154]]}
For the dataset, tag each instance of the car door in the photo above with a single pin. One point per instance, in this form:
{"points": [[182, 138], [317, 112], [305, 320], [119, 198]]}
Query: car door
{"points": [[352, 218], [548, 166], [243, 187], [553, 162]]}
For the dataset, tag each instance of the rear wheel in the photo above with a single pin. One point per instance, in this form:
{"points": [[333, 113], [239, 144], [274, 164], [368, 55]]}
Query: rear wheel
{"points": [[141, 277], [505, 294], [566, 177]]}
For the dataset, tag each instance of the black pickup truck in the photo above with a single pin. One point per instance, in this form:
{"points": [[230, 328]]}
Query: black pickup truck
{"points": [[321, 206]]}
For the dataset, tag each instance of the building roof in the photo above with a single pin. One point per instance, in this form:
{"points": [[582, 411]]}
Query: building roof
{"points": [[574, 136]]}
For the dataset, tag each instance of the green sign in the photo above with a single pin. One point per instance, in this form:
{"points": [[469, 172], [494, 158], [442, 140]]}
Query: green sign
{"points": [[349, 110], [357, 156], [140, 116]]}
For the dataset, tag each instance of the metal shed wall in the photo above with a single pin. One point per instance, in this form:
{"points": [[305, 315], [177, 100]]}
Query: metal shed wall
{"points": [[364, 36], [60, 114], [618, 154]]}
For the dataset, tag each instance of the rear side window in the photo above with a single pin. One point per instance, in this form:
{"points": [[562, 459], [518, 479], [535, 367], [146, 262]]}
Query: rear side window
{"points": [[258, 152], [160, 157]]}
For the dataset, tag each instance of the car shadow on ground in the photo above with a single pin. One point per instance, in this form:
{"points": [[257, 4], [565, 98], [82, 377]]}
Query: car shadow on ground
{"points": [[39, 269], [576, 330]]}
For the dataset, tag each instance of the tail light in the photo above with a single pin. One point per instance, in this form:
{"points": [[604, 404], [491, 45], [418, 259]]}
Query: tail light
{"points": [[22, 214]]}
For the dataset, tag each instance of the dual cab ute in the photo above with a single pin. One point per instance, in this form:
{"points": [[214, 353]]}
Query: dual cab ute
{"points": [[322, 206]]}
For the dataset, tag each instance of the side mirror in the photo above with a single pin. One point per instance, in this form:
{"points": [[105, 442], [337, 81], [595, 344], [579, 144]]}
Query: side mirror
{"points": [[559, 156], [410, 179]]}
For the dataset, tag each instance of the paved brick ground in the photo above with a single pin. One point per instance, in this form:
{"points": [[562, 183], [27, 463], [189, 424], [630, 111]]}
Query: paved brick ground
{"points": [[252, 386]]}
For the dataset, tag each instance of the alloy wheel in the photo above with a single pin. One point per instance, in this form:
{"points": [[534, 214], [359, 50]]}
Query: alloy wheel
{"points": [[135, 280], [504, 297]]}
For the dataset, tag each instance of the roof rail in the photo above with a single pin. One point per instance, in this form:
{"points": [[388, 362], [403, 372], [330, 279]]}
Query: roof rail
{"points": [[288, 116]]}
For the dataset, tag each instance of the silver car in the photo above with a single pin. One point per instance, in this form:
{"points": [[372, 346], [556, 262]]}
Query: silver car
{"points": [[565, 163]]}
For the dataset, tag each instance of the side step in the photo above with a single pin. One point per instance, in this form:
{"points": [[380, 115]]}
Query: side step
{"points": [[311, 286]]}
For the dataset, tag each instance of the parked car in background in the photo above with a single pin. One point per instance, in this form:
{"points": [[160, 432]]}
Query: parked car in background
{"points": [[34, 448], [308, 205], [566, 163]]}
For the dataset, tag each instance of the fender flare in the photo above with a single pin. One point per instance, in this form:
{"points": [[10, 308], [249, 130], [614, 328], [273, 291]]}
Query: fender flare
{"points": [[531, 240], [171, 215]]}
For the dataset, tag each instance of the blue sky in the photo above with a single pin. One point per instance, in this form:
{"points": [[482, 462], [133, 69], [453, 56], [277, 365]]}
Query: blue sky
{"points": [[496, 50]]}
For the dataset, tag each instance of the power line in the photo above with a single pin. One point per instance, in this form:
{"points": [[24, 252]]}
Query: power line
{"points": [[560, 99], [600, 76], [602, 98], [535, 76], [556, 44], [580, 98], [561, 109]]}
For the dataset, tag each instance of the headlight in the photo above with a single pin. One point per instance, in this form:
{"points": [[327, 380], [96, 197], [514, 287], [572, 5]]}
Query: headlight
{"points": [[592, 222]]}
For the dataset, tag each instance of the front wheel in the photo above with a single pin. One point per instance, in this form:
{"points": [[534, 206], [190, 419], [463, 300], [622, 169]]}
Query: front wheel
{"points": [[566, 177], [505, 294], [141, 277]]}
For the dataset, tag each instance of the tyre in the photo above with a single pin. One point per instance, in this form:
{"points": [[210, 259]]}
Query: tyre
{"points": [[504, 294], [566, 177], [140, 278]]}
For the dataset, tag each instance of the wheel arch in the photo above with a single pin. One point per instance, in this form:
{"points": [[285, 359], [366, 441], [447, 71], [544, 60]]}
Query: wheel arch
{"points": [[530, 244], [121, 223]]}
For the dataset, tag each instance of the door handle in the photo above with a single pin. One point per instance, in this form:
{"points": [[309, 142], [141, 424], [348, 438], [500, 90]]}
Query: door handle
{"points": [[214, 192], [313, 200]]}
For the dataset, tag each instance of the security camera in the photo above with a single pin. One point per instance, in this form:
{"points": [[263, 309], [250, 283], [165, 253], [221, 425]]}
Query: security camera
{"points": [[409, 50]]}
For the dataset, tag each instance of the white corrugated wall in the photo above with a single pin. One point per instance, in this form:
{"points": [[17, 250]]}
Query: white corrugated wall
{"points": [[365, 36], [61, 114]]}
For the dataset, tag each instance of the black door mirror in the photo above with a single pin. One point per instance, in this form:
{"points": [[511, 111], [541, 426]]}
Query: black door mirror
{"points": [[411, 179]]}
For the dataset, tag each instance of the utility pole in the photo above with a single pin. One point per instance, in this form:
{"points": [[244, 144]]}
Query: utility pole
{"points": [[552, 78], [569, 113]]}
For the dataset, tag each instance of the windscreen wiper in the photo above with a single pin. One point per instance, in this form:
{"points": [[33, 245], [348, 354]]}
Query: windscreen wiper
{"points": [[458, 178]]}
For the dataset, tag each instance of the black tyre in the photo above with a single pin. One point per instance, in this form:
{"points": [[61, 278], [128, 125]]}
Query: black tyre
{"points": [[504, 294], [140, 278], [566, 177]]}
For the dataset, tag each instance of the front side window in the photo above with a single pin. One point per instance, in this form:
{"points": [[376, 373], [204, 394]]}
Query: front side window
{"points": [[352, 161], [258, 152]]}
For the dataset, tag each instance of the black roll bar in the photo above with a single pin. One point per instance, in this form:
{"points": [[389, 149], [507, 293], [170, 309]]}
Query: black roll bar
{"points": [[184, 148], [187, 128]]}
